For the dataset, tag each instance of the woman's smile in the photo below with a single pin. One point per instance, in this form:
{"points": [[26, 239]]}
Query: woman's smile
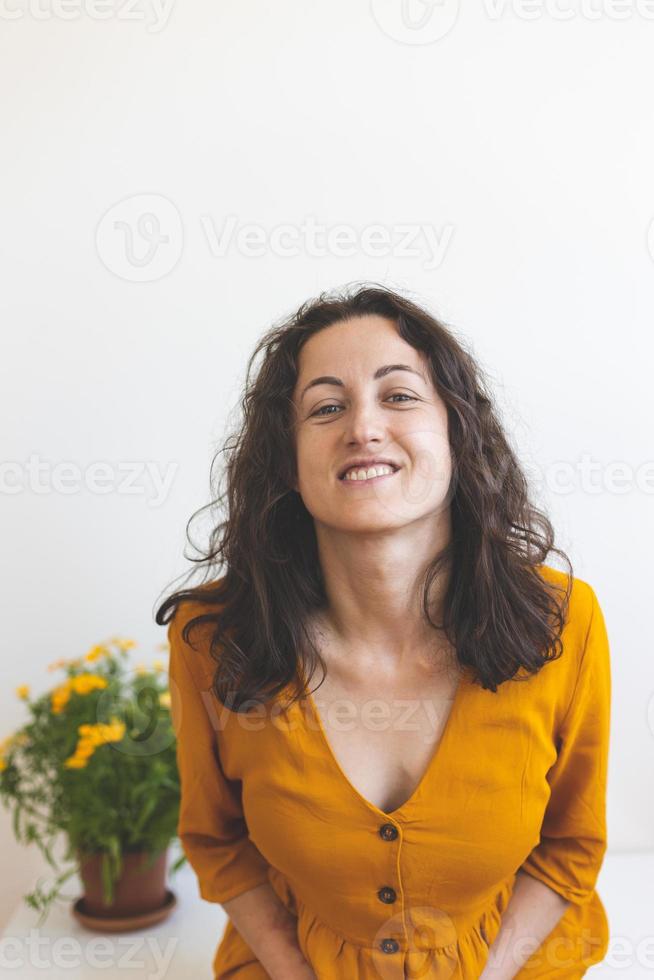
{"points": [[360, 482]]}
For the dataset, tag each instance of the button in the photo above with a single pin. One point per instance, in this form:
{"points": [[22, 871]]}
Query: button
{"points": [[386, 895], [388, 831], [389, 945]]}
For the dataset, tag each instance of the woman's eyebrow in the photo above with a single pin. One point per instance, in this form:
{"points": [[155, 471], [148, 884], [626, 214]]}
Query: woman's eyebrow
{"points": [[381, 372]]}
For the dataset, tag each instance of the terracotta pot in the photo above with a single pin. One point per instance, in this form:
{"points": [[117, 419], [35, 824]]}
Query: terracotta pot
{"points": [[137, 890]]}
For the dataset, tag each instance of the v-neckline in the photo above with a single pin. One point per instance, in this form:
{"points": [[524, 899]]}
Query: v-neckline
{"points": [[431, 765]]}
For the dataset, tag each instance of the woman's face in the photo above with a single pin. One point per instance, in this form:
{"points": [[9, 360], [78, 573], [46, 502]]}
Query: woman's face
{"points": [[397, 415]]}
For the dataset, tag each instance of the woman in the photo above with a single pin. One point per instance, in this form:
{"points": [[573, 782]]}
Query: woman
{"points": [[436, 806]]}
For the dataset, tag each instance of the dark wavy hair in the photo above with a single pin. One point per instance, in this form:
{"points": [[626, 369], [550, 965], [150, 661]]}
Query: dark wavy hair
{"points": [[262, 574]]}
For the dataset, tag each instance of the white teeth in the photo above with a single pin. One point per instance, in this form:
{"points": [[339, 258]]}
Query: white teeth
{"points": [[369, 473]]}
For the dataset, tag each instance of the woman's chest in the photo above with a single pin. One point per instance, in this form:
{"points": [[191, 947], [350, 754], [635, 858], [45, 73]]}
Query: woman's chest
{"points": [[462, 773], [382, 735]]}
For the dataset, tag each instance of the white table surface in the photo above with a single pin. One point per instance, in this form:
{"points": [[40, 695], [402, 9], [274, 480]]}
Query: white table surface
{"points": [[182, 946]]}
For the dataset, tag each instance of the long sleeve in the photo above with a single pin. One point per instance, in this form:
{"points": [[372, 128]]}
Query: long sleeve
{"points": [[211, 827], [573, 834]]}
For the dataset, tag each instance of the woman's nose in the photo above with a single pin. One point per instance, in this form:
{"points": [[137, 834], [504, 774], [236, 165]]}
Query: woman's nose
{"points": [[364, 424]]}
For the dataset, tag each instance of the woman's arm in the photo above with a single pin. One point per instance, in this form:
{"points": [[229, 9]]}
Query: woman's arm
{"points": [[270, 931], [212, 828], [531, 914], [564, 866]]}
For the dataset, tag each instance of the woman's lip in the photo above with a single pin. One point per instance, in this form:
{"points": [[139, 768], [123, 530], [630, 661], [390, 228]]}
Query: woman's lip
{"points": [[366, 483]]}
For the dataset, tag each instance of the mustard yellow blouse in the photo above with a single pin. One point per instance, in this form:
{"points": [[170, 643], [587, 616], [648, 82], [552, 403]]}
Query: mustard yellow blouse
{"points": [[517, 780]]}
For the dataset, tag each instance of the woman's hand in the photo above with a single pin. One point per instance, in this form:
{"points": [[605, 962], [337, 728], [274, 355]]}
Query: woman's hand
{"points": [[531, 914], [303, 972], [292, 966], [270, 931]]}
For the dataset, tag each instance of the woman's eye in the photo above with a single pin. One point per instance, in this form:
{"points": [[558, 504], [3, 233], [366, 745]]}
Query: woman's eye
{"points": [[398, 394], [322, 408]]}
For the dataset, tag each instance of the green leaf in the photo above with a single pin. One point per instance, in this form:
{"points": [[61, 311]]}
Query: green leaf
{"points": [[47, 853], [176, 865], [107, 880], [148, 808], [116, 853], [16, 823]]}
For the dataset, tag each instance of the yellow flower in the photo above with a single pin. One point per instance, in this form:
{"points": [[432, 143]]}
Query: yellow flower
{"points": [[81, 684], [96, 652], [60, 697], [99, 733], [164, 699], [158, 665], [23, 691], [124, 644], [3, 764], [84, 683], [141, 669], [115, 731], [91, 736], [55, 665]]}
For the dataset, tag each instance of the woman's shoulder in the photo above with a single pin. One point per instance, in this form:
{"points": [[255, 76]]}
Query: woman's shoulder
{"points": [[582, 598], [581, 607], [194, 644], [196, 600]]}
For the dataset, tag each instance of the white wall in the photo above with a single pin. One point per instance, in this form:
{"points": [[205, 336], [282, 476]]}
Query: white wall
{"points": [[522, 140]]}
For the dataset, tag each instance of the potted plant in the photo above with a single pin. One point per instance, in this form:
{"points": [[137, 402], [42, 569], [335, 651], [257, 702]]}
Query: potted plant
{"points": [[95, 766]]}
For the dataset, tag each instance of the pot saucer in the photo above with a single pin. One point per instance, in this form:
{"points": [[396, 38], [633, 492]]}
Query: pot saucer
{"points": [[124, 923]]}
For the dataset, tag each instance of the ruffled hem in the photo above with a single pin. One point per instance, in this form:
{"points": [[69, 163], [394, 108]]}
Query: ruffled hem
{"points": [[334, 956]]}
